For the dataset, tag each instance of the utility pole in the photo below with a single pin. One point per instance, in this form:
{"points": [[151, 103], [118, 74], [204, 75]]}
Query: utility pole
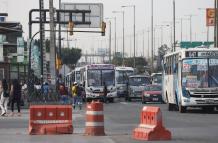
{"points": [[41, 35], [152, 36], [59, 34], [109, 41], [148, 44], [143, 43], [174, 26], [52, 44], [216, 25], [134, 37]]}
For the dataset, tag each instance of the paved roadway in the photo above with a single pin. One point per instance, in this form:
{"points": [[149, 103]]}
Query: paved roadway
{"points": [[120, 119]]}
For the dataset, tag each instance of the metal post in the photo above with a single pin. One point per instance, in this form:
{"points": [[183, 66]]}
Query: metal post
{"points": [[52, 44], [59, 32], [123, 40], [208, 30], [148, 44], [152, 42], [110, 41], [143, 43], [41, 46], [115, 34], [181, 28], [134, 38], [174, 26], [190, 28]]}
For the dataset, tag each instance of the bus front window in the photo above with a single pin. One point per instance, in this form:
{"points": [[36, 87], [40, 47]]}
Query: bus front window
{"points": [[94, 77], [108, 77], [213, 74], [121, 77], [195, 73]]}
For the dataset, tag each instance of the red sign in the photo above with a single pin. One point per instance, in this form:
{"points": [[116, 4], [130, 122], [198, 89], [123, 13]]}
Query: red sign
{"points": [[210, 16]]}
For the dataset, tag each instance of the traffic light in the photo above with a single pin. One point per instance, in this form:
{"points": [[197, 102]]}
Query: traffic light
{"points": [[70, 27], [103, 27]]}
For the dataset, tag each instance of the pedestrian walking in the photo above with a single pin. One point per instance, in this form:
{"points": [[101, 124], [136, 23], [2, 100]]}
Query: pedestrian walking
{"points": [[63, 93], [79, 96], [105, 92], [15, 94], [4, 97], [74, 94], [45, 91]]}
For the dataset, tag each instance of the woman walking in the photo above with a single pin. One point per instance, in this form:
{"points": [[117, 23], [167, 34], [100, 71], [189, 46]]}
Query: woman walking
{"points": [[15, 96], [4, 96]]}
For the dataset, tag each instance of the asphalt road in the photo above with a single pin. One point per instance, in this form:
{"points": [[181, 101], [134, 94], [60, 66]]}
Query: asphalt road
{"points": [[120, 119]]}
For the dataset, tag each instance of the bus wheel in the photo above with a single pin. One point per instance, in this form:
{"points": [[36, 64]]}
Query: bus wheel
{"points": [[182, 109], [170, 107]]}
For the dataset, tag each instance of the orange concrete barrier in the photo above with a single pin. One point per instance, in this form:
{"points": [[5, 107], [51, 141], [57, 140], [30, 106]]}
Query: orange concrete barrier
{"points": [[50, 119], [151, 127], [94, 119]]}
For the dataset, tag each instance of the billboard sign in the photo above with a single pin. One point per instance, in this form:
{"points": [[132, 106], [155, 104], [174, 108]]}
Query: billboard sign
{"points": [[95, 17], [210, 17], [20, 49]]}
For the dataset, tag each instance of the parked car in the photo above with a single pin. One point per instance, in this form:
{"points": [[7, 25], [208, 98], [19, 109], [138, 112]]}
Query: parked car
{"points": [[152, 93]]}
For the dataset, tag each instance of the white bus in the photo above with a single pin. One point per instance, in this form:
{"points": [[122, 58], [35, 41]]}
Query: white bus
{"points": [[121, 79], [190, 79], [94, 76], [73, 76]]}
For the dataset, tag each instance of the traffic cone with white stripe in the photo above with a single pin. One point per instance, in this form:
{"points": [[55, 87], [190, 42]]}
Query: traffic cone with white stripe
{"points": [[94, 119]]}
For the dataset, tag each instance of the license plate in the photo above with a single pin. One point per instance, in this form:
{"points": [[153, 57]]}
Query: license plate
{"points": [[101, 94], [155, 99], [209, 101]]}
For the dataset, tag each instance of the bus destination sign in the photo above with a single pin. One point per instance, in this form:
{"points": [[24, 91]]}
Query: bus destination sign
{"points": [[202, 54]]}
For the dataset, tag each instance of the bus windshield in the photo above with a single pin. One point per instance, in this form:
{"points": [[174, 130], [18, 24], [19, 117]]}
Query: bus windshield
{"points": [[200, 73], [122, 76], [139, 81], [97, 77]]}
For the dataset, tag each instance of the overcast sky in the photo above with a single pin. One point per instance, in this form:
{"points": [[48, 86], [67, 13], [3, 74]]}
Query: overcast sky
{"points": [[18, 11]]}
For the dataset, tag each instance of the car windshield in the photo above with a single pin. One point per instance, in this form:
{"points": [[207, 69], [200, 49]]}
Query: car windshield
{"points": [[97, 77], [139, 81], [200, 73], [157, 78], [122, 76], [153, 88]]}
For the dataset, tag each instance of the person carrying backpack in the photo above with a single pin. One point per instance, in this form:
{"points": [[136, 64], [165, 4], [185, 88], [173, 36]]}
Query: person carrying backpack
{"points": [[74, 94]]}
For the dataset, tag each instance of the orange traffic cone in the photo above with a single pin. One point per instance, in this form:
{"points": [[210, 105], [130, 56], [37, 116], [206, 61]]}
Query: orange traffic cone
{"points": [[95, 119]]}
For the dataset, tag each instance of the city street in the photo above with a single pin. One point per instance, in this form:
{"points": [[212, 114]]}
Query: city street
{"points": [[120, 119]]}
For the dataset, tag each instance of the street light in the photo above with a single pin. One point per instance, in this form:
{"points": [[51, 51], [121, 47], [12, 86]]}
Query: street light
{"points": [[115, 34], [190, 18], [133, 6], [161, 27], [122, 12]]}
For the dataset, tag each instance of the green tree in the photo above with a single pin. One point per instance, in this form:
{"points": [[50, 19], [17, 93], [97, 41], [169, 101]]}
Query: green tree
{"points": [[70, 56]]}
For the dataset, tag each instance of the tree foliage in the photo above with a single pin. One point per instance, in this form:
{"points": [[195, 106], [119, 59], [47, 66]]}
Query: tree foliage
{"points": [[70, 56]]}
